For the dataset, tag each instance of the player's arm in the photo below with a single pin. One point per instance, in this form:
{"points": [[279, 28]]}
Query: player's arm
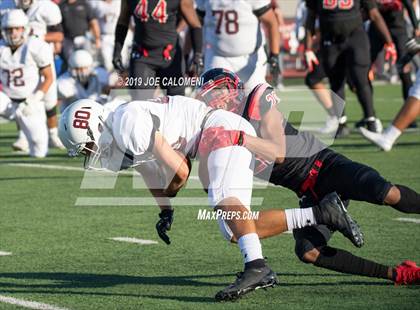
{"points": [[151, 172], [268, 19], [412, 15], [151, 175], [120, 34], [310, 57], [47, 79], [272, 144], [174, 165], [191, 17], [377, 19]]}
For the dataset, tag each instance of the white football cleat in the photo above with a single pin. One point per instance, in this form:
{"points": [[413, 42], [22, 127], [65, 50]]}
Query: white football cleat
{"points": [[21, 144], [331, 125], [377, 138]]}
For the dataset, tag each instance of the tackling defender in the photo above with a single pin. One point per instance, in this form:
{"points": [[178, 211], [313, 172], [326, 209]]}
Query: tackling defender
{"points": [[300, 162], [169, 129]]}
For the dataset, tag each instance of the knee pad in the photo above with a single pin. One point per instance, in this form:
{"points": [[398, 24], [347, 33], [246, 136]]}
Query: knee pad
{"points": [[224, 229]]}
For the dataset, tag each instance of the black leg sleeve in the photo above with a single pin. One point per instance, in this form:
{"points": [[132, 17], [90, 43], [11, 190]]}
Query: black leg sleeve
{"points": [[409, 202], [345, 262]]}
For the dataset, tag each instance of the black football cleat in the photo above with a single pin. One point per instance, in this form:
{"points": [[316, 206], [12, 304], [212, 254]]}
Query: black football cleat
{"points": [[247, 281], [331, 212]]}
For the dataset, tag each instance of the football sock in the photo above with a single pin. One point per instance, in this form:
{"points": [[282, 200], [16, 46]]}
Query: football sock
{"points": [[53, 132], [345, 262], [250, 247], [299, 218], [409, 202], [392, 133]]}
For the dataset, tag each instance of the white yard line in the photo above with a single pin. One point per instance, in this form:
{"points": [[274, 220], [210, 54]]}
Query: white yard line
{"points": [[2, 253], [134, 240], [408, 219], [70, 168], [141, 201], [28, 304]]}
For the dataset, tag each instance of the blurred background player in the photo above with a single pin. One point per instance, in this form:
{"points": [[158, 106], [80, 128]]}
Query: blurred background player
{"points": [[234, 38], [79, 25], [408, 113], [345, 46], [156, 50], [45, 23], [392, 12], [107, 13], [82, 80], [26, 75]]}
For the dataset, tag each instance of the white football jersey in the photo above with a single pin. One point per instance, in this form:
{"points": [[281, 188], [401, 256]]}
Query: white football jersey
{"points": [[42, 14], [231, 27], [70, 89], [177, 118], [107, 13], [20, 70]]}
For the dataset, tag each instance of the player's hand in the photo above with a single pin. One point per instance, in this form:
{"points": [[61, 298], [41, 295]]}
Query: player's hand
{"points": [[412, 47], [390, 52], [29, 107], [217, 137], [98, 43], [117, 59], [164, 224], [274, 64], [311, 60], [197, 65]]}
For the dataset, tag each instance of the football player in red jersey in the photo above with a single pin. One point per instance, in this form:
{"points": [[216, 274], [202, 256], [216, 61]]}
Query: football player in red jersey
{"points": [[300, 162], [392, 12], [345, 46], [156, 50]]}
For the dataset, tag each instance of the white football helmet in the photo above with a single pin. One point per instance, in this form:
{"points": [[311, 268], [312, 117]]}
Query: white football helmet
{"points": [[81, 65], [15, 19], [83, 130], [25, 4]]}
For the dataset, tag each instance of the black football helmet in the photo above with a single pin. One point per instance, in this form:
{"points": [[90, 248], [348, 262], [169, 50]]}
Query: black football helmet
{"points": [[221, 89]]}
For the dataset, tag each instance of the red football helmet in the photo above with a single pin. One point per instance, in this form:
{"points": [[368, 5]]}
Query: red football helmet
{"points": [[221, 89]]}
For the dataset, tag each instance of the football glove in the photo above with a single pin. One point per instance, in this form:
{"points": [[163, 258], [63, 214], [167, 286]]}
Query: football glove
{"points": [[217, 137], [311, 60], [117, 59], [29, 107], [164, 224], [197, 65], [274, 65], [412, 47], [390, 52]]}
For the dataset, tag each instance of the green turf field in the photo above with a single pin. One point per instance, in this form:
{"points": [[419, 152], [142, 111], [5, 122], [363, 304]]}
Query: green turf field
{"points": [[62, 254]]}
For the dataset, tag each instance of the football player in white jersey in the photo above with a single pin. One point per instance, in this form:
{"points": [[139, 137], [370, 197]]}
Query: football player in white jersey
{"points": [[26, 76], [234, 39], [156, 137], [45, 23], [107, 13], [82, 80]]}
